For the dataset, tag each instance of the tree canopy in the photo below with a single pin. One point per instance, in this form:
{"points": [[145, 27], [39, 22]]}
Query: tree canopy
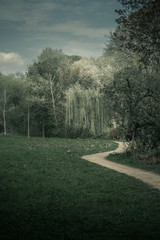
{"points": [[139, 28]]}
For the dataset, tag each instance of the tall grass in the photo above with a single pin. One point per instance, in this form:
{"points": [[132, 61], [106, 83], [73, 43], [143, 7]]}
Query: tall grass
{"points": [[47, 192]]}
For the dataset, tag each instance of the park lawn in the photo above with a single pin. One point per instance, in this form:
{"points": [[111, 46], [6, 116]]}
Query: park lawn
{"points": [[47, 192], [133, 161]]}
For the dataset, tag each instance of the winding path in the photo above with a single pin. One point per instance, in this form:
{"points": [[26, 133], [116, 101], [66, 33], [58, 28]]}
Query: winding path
{"points": [[145, 176]]}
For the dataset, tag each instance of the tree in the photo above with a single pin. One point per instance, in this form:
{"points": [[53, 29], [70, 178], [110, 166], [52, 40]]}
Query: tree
{"points": [[12, 96], [4, 87], [45, 77], [133, 93], [134, 96], [84, 112], [112, 61], [83, 72], [139, 29]]}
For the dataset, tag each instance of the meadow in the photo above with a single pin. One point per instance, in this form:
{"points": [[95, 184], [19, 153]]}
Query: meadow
{"points": [[47, 192]]}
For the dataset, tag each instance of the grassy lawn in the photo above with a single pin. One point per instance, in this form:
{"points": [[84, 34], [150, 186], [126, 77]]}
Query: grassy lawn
{"points": [[48, 192], [128, 159]]}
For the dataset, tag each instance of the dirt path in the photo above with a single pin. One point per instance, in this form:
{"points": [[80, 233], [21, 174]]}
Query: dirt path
{"points": [[145, 176]]}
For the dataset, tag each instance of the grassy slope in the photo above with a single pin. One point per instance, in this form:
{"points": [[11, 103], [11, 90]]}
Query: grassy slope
{"points": [[48, 192]]}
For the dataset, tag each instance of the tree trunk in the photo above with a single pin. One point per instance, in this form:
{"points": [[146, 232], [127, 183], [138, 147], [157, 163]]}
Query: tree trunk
{"points": [[28, 121], [43, 129], [53, 101], [4, 113]]}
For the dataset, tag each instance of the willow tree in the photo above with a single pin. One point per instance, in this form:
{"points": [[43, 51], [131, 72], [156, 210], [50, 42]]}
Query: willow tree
{"points": [[84, 112], [84, 72]]}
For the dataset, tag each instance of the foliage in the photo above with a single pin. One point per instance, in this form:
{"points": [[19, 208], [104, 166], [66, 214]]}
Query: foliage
{"points": [[84, 112], [68, 92], [83, 72], [58, 90], [133, 93], [73, 58], [14, 86], [45, 77], [138, 28], [134, 96]]}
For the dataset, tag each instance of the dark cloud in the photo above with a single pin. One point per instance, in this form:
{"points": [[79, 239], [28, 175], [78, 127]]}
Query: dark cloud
{"points": [[35, 24]]}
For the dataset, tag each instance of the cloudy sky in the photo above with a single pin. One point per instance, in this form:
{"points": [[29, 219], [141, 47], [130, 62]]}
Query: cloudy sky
{"points": [[78, 27]]}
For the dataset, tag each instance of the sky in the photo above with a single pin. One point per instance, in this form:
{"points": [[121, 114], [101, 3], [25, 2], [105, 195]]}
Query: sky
{"points": [[78, 27]]}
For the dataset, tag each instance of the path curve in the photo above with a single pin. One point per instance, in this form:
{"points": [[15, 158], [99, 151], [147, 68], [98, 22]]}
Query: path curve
{"points": [[145, 176]]}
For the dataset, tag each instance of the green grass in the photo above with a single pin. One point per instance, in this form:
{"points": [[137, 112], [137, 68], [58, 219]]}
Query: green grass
{"points": [[47, 192], [130, 160]]}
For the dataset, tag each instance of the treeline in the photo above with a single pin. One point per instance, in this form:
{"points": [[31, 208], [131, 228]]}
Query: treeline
{"points": [[115, 95], [58, 96]]}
